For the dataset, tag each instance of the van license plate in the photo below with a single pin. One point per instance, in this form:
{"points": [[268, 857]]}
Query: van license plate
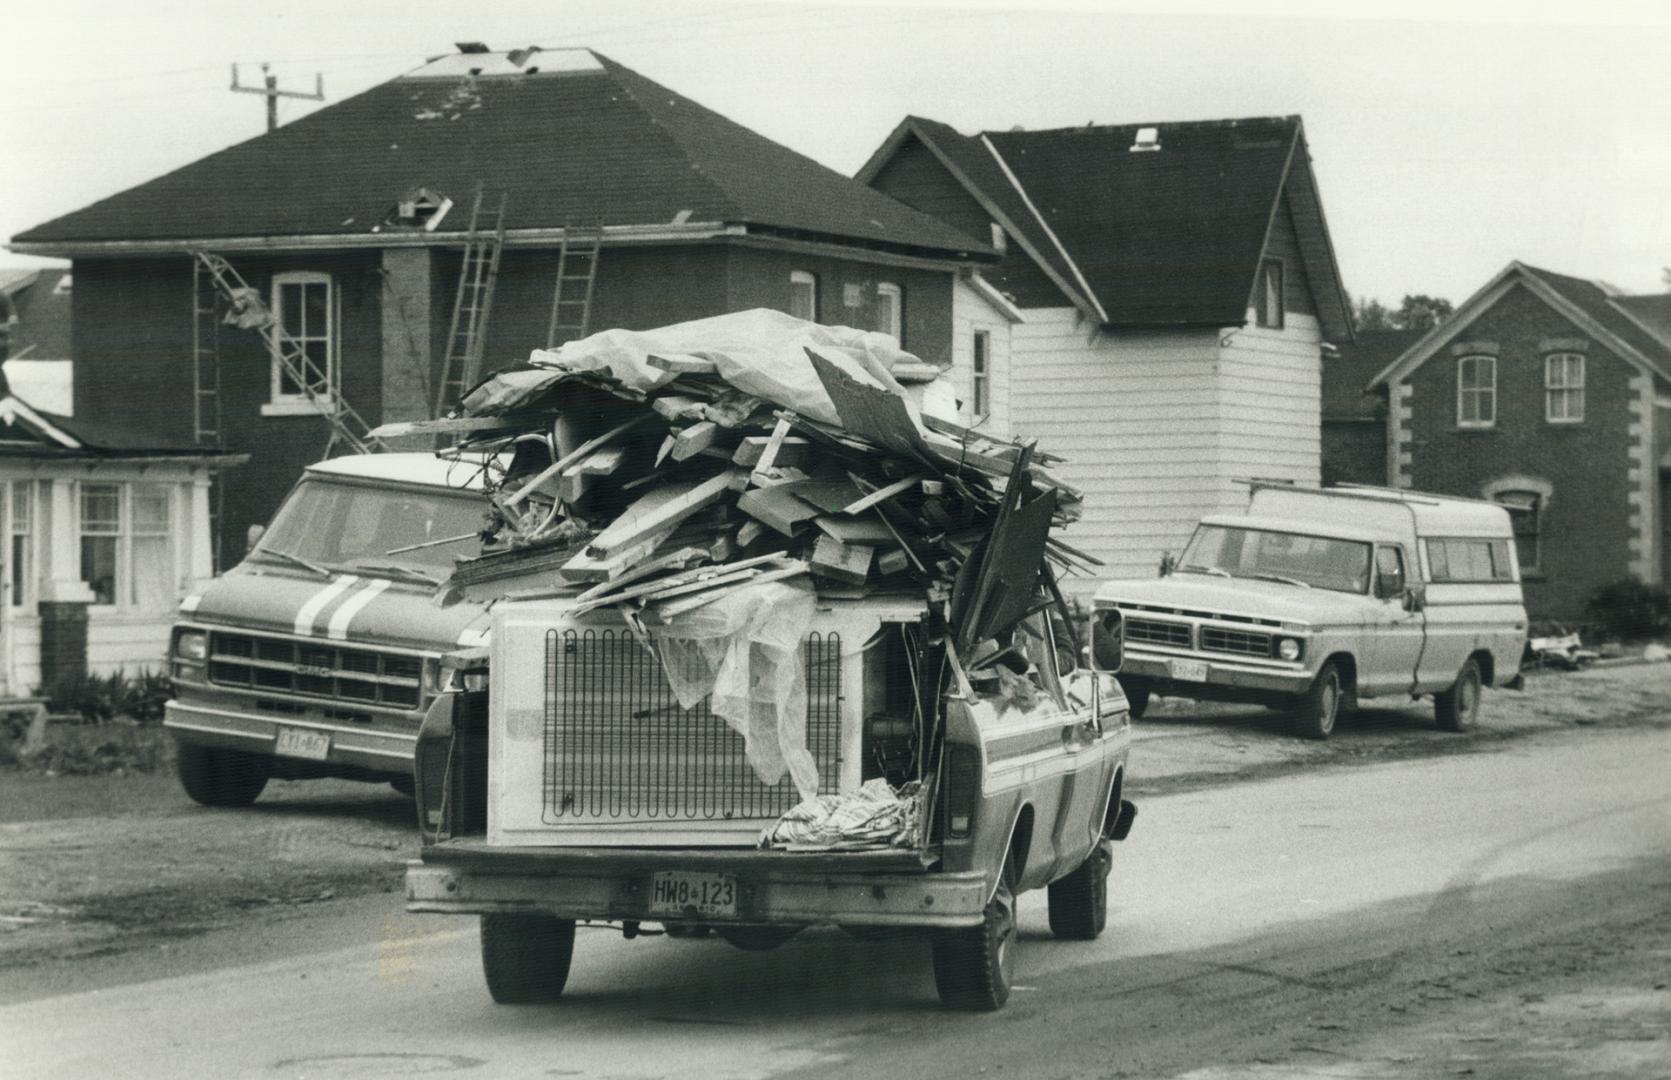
{"points": [[674, 892], [298, 742], [1188, 670]]}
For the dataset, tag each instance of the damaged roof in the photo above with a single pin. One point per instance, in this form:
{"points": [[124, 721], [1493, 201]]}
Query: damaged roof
{"points": [[571, 135], [1160, 232]]}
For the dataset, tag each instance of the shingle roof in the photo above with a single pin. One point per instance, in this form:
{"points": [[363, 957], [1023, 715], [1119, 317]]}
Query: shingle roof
{"points": [[592, 140], [1654, 311], [1595, 302], [1164, 237], [1346, 374]]}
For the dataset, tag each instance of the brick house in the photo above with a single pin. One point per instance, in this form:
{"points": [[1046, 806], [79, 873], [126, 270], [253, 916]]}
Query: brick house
{"points": [[1162, 300], [1354, 415], [351, 222], [1551, 395]]}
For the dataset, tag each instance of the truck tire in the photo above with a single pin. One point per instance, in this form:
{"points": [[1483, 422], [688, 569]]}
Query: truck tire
{"points": [[974, 965], [1457, 708], [1137, 696], [1319, 707], [1079, 901], [526, 957], [216, 777]]}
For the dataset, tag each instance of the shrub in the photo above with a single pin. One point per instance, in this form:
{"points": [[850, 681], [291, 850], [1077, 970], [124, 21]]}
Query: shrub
{"points": [[100, 697], [1628, 609]]}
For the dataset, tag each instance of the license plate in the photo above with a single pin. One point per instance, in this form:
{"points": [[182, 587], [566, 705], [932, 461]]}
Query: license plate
{"points": [[1188, 670], [674, 892], [299, 742]]}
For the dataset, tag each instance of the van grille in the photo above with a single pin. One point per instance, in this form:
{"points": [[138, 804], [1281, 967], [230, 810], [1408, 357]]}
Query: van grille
{"points": [[619, 747], [316, 669], [1238, 642], [1158, 632]]}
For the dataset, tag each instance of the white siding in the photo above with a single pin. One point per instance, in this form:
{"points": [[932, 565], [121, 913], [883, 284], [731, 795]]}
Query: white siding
{"points": [[1136, 416], [1270, 401], [970, 312], [130, 642], [24, 655]]}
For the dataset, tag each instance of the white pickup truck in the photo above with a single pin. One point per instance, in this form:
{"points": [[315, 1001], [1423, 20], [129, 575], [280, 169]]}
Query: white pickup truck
{"points": [[1315, 598]]}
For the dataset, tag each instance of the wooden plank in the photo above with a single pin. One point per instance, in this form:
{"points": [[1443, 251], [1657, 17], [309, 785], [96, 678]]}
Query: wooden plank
{"points": [[681, 365], [588, 567], [674, 608], [461, 425], [704, 576], [682, 559], [749, 533], [793, 450], [777, 507], [677, 407], [694, 439], [768, 455], [898, 487], [844, 562], [662, 508], [865, 530], [556, 467], [892, 562], [577, 478], [829, 496]]}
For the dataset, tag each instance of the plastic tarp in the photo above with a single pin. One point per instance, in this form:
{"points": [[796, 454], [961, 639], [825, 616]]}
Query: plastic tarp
{"points": [[760, 352], [745, 650], [874, 816]]}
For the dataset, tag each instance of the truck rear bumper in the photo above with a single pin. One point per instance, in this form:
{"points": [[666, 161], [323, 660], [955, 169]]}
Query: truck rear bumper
{"points": [[1225, 678], [235, 729], [773, 888]]}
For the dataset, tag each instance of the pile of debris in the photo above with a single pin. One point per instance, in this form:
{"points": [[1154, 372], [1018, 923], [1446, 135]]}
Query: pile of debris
{"points": [[658, 471]]}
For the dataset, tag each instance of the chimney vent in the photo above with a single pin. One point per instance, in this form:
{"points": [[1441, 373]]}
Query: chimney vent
{"points": [[469, 47], [1148, 138]]}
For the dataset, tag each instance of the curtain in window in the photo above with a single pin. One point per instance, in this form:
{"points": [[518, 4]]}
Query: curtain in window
{"points": [[153, 581], [101, 527]]}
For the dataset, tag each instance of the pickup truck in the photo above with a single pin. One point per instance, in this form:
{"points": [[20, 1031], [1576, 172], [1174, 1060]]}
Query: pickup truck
{"points": [[1317, 598], [559, 781]]}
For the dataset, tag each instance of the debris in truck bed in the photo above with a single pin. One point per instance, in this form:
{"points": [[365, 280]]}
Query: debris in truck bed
{"points": [[875, 816], [678, 475]]}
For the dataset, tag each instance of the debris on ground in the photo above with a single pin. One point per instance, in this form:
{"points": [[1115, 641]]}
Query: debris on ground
{"points": [[875, 816], [1553, 645]]}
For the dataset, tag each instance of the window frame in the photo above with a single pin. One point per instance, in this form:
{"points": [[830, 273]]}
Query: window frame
{"points": [[1438, 571], [1531, 509], [20, 534], [798, 279], [124, 586], [1482, 391], [894, 326], [1570, 391], [1264, 315], [980, 376], [278, 402]]}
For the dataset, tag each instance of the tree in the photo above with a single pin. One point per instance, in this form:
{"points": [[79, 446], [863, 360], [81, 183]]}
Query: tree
{"points": [[1371, 315], [1414, 312]]}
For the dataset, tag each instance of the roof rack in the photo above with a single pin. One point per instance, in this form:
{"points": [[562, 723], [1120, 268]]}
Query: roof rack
{"points": [[1426, 496], [1350, 491]]}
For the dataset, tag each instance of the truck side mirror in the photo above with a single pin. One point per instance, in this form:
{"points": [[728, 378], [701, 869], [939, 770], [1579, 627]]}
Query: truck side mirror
{"points": [[1415, 598], [1168, 563], [1107, 641], [253, 536]]}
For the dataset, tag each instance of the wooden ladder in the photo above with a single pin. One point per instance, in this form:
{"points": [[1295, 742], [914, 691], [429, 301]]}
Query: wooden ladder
{"points": [[577, 270], [205, 375], [474, 302], [246, 308]]}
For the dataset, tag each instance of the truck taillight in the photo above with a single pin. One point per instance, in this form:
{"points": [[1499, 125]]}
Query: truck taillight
{"points": [[963, 789]]}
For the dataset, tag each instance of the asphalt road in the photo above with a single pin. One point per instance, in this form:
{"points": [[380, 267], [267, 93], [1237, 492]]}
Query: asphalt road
{"points": [[1497, 914]]}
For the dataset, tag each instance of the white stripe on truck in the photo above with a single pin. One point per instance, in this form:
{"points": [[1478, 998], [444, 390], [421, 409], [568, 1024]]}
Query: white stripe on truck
{"points": [[319, 601], [338, 630]]}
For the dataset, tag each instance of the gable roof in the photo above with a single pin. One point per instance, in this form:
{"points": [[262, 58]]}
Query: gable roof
{"points": [[570, 135], [1617, 321], [1156, 238]]}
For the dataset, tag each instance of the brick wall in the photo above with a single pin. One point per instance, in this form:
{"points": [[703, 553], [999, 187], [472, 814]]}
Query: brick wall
{"points": [[1587, 525]]}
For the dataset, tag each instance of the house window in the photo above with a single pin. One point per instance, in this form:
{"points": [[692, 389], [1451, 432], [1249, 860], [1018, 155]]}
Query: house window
{"points": [[1476, 391], [1563, 388], [890, 306], [127, 551], [304, 305], [20, 554], [1268, 298], [981, 383], [803, 295], [1526, 514]]}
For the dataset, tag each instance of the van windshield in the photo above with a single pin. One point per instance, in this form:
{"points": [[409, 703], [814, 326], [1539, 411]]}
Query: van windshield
{"points": [[357, 527], [1319, 562]]}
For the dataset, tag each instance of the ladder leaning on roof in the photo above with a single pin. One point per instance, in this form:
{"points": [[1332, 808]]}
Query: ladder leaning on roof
{"points": [[246, 309], [205, 375], [577, 267], [474, 302]]}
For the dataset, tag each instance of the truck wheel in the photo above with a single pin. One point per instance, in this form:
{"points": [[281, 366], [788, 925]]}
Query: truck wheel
{"points": [[1458, 707], [526, 957], [1319, 706], [1137, 697], [973, 965], [216, 777], [1079, 902]]}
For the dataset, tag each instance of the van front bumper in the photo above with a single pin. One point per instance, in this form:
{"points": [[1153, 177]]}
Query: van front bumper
{"points": [[1225, 678], [238, 729], [888, 888]]}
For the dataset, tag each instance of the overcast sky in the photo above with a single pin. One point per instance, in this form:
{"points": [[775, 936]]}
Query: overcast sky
{"points": [[1447, 139]]}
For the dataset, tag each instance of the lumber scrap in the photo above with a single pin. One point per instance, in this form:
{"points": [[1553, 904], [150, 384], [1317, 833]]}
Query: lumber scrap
{"points": [[844, 562], [586, 566], [661, 508], [556, 467], [898, 487], [865, 530], [791, 451], [460, 425], [672, 609], [681, 365], [677, 407], [682, 559], [694, 439], [699, 575], [777, 507]]}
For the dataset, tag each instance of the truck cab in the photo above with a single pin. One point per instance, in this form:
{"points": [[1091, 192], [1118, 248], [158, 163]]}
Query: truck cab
{"points": [[319, 653], [1314, 599]]}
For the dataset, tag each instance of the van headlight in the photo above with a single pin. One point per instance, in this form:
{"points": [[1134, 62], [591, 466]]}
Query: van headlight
{"points": [[191, 645], [1289, 648]]}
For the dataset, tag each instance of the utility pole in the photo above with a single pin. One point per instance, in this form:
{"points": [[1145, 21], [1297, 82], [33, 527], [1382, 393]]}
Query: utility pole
{"points": [[271, 91]]}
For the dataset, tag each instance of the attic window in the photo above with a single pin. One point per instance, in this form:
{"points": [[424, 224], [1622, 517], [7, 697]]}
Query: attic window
{"points": [[1267, 298], [1148, 138], [420, 208]]}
